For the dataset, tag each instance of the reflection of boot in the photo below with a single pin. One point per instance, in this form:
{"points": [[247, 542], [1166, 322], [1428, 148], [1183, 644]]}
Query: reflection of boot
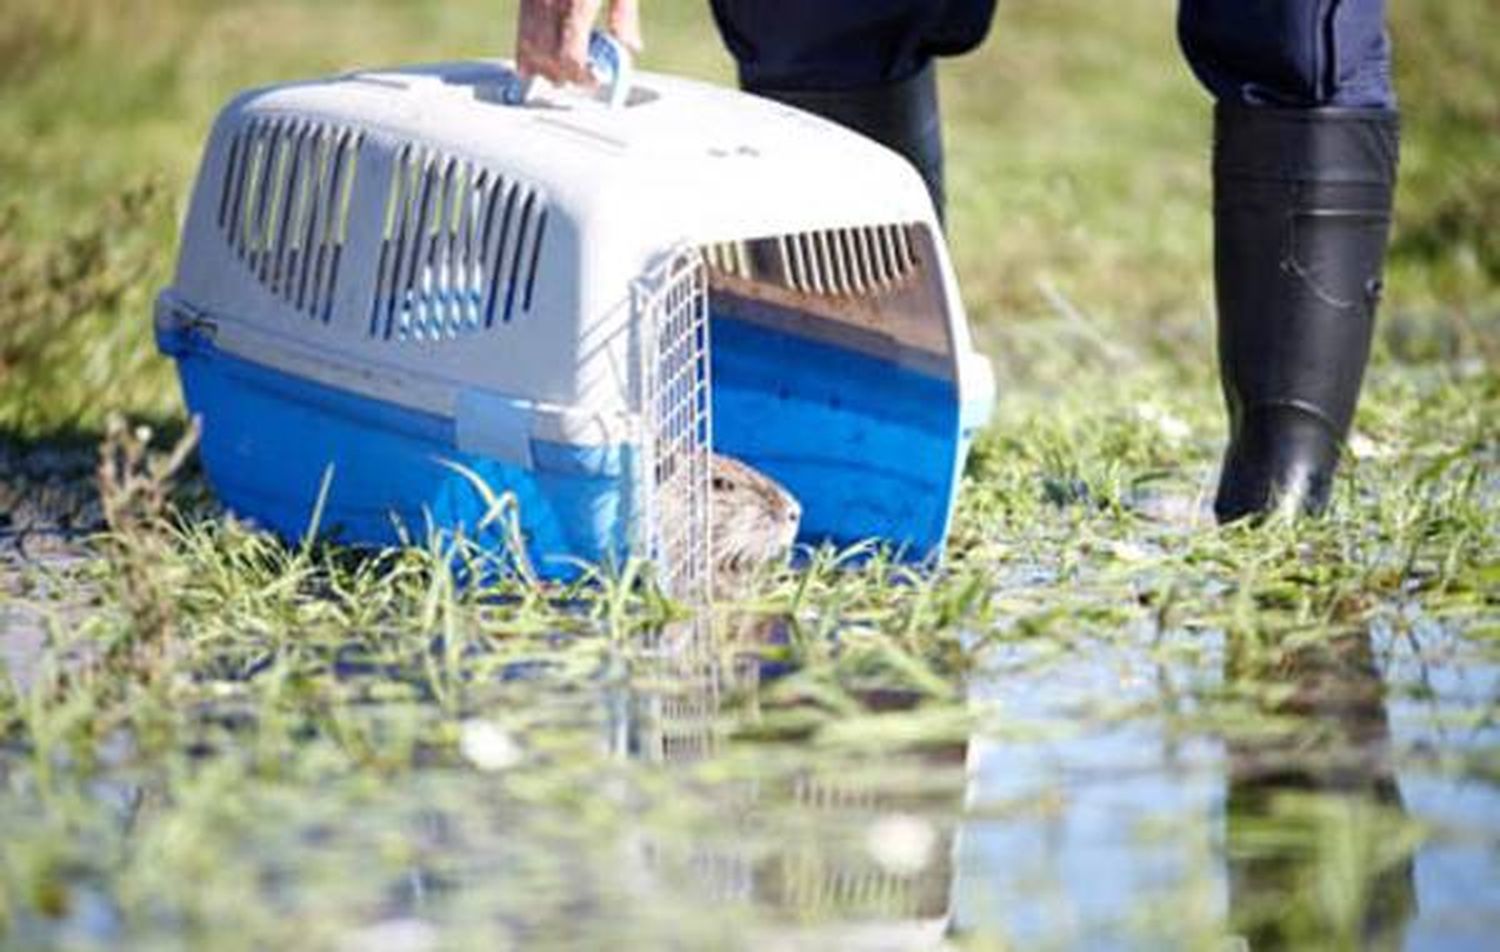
{"points": [[1317, 802], [902, 116], [1302, 202]]}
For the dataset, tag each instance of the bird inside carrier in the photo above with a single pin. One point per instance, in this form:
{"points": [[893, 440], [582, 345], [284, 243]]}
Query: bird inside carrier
{"points": [[401, 295]]}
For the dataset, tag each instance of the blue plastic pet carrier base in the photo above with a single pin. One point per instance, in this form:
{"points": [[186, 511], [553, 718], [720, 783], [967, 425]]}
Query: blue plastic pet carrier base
{"points": [[404, 293], [273, 442]]}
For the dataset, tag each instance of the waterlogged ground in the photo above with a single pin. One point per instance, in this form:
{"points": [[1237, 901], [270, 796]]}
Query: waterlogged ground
{"points": [[1102, 723]]}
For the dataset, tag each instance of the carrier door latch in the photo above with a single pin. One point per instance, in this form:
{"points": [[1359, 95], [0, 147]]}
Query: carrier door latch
{"points": [[180, 327]]}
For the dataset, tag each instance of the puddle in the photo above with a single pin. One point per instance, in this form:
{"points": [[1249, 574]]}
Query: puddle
{"points": [[1138, 791]]}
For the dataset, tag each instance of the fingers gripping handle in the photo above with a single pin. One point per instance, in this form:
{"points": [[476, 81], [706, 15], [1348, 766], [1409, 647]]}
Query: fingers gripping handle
{"points": [[609, 63]]}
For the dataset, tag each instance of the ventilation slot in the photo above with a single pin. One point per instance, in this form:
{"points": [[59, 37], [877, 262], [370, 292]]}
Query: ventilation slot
{"points": [[284, 208], [729, 257], [459, 250], [839, 262]]}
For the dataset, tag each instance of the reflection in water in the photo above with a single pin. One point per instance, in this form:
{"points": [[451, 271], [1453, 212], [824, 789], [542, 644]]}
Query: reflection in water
{"points": [[671, 713], [1315, 818], [814, 846], [1317, 838]]}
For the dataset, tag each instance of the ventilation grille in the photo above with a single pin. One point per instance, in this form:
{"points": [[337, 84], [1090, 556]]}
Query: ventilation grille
{"points": [[459, 249], [836, 262], [284, 206]]}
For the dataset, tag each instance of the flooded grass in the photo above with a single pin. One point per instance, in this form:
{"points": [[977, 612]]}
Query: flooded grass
{"points": [[1101, 723]]}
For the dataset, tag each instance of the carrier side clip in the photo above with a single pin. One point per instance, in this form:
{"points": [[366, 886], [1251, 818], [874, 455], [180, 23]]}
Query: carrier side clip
{"points": [[180, 327]]}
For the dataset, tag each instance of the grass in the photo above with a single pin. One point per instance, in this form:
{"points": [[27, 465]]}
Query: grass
{"points": [[228, 742]]}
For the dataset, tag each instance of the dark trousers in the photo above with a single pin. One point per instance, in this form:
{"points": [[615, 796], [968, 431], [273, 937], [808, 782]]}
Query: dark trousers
{"points": [[1288, 53]]}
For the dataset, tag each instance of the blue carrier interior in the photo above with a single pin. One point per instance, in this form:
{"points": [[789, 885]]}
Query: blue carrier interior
{"points": [[868, 446]]}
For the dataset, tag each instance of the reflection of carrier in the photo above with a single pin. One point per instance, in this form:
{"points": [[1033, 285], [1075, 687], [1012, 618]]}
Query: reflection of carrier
{"points": [[389, 269], [671, 714]]}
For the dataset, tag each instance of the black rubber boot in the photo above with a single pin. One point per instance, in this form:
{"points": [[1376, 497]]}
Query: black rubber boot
{"points": [[902, 116], [1302, 207]]}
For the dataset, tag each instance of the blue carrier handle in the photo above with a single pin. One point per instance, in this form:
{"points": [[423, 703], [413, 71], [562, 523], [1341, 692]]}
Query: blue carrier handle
{"points": [[609, 63]]}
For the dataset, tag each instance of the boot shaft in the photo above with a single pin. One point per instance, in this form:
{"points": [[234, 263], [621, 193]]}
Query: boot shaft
{"points": [[1302, 208]]}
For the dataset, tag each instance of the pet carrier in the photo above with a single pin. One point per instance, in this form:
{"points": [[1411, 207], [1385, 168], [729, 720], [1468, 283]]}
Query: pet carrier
{"points": [[395, 286]]}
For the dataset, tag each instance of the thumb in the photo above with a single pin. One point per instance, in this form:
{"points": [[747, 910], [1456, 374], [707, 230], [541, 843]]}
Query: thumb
{"points": [[625, 23]]}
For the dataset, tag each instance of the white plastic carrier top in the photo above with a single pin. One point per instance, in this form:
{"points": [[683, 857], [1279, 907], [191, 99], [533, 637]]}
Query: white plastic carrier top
{"points": [[405, 236]]}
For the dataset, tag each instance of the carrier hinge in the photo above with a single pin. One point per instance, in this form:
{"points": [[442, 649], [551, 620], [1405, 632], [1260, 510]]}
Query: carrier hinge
{"points": [[180, 326]]}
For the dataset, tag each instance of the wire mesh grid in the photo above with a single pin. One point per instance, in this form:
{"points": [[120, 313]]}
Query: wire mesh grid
{"points": [[671, 302]]}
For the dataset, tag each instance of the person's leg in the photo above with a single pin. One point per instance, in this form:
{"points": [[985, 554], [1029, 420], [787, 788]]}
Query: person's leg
{"points": [[866, 64], [1305, 152]]}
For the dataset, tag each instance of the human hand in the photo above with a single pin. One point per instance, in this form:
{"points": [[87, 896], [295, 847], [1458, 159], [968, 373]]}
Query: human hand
{"points": [[552, 36]]}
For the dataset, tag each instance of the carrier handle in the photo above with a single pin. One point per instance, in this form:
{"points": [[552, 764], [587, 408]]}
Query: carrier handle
{"points": [[609, 63]]}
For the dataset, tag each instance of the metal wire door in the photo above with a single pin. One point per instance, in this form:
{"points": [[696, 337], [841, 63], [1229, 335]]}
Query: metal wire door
{"points": [[671, 304]]}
